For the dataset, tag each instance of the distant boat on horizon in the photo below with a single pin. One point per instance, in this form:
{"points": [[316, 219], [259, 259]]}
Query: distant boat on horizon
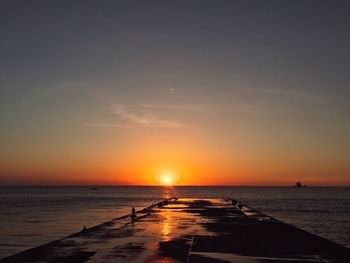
{"points": [[298, 185]]}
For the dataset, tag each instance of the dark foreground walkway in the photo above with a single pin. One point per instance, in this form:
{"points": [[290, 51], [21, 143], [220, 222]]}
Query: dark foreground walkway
{"points": [[190, 230]]}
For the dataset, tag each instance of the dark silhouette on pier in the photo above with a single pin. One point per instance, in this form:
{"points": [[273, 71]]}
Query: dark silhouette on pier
{"points": [[133, 214], [84, 229]]}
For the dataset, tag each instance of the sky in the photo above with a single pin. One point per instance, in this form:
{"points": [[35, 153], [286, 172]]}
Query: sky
{"points": [[207, 92]]}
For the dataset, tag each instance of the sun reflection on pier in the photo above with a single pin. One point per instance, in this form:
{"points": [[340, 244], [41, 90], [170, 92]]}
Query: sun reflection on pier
{"points": [[166, 227]]}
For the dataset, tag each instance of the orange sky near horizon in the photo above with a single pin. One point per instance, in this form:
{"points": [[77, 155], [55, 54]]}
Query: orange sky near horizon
{"points": [[193, 154], [193, 163]]}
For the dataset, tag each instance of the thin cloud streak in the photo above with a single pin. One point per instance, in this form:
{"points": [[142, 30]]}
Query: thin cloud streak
{"points": [[6, 132], [288, 92], [173, 107], [134, 119], [116, 125], [144, 120]]}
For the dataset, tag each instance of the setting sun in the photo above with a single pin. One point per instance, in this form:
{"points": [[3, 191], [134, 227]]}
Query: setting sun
{"points": [[167, 178]]}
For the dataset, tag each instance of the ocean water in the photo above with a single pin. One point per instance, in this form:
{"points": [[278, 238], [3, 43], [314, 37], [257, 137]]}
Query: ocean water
{"points": [[30, 216]]}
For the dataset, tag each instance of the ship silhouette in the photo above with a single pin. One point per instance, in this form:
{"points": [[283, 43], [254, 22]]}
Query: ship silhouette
{"points": [[298, 184]]}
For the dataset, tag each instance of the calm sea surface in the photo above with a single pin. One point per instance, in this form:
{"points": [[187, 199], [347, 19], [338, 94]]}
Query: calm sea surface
{"points": [[30, 216]]}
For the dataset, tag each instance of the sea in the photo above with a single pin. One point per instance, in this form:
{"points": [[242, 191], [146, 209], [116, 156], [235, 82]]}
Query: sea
{"points": [[31, 216]]}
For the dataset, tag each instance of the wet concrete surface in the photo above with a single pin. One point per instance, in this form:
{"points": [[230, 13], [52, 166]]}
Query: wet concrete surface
{"points": [[190, 230]]}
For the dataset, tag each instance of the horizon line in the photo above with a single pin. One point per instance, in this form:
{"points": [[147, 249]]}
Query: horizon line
{"points": [[165, 186]]}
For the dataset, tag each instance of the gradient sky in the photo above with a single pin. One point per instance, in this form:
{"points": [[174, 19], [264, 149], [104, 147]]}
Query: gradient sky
{"points": [[214, 92]]}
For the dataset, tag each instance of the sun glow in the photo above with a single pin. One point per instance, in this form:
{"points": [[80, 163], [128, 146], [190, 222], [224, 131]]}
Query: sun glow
{"points": [[166, 178]]}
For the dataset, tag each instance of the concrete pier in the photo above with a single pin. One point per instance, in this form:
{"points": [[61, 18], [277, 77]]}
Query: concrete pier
{"points": [[190, 230]]}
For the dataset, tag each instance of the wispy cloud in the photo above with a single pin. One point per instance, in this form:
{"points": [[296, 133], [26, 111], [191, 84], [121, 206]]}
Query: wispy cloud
{"points": [[144, 115], [6, 132], [288, 93], [143, 120], [185, 107], [116, 125]]}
